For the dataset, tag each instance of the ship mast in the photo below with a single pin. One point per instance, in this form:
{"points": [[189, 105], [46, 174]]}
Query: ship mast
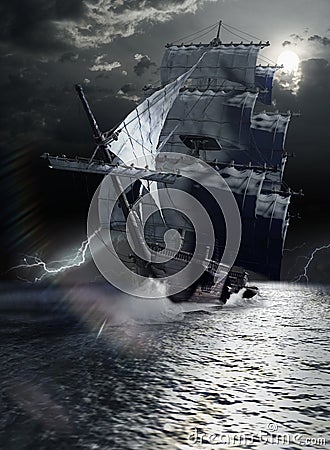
{"points": [[216, 40], [219, 31], [98, 136]]}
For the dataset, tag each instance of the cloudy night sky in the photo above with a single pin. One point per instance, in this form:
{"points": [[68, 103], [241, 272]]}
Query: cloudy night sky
{"points": [[114, 48]]}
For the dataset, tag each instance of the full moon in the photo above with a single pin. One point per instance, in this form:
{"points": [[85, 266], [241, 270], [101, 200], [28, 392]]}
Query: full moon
{"points": [[289, 60]]}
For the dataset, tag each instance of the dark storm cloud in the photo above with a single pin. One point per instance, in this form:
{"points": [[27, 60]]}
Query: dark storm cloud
{"points": [[40, 25], [30, 24], [313, 95], [315, 86], [319, 39], [102, 75], [143, 64], [39, 106], [48, 43], [128, 87], [104, 20], [308, 138], [131, 92], [68, 57], [296, 37], [309, 134], [109, 109], [23, 94]]}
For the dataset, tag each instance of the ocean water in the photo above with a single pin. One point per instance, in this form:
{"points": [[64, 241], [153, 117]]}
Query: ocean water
{"points": [[83, 368]]}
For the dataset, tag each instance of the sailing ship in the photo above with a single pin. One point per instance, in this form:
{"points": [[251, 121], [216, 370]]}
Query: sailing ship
{"points": [[207, 108]]}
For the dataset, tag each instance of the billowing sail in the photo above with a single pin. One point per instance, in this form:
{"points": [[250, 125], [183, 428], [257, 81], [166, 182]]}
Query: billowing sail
{"points": [[138, 134], [272, 206], [273, 180], [223, 64], [271, 226], [264, 81], [246, 186], [263, 251], [216, 122], [268, 133]]}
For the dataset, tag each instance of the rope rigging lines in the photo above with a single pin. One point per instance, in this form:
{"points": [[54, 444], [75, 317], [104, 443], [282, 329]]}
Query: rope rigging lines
{"points": [[243, 35], [193, 35]]}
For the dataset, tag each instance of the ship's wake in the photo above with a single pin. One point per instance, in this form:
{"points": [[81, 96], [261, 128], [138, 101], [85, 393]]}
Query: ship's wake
{"points": [[123, 309], [238, 301], [99, 306]]}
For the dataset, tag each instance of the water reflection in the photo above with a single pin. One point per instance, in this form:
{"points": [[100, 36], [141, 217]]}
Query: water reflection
{"points": [[256, 369]]}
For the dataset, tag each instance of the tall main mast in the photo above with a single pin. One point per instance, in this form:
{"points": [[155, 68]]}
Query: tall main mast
{"points": [[219, 31]]}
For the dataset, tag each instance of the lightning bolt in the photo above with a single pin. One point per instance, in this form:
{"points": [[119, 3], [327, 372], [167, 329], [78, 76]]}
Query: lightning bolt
{"points": [[297, 247], [310, 259], [48, 268]]}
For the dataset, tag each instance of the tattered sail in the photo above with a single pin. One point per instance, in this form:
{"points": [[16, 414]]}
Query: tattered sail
{"points": [[245, 185], [268, 133], [273, 180], [219, 120], [264, 234], [264, 76], [223, 64], [270, 232]]}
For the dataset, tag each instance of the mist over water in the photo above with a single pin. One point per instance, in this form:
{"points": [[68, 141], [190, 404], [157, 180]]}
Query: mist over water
{"points": [[91, 369]]}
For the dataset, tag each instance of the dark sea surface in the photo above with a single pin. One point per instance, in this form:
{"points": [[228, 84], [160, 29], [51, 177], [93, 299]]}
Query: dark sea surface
{"points": [[83, 368]]}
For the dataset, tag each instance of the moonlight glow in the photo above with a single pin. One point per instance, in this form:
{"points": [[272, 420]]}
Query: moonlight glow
{"points": [[289, 60]]}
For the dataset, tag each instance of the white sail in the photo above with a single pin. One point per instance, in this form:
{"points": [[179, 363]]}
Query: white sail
{"points": [[264, 81], [268, 134], [222, 116], [266, 72], [243, 182], [138, 134], [272, 206], [224, 63], [272, 123], [273, 180], [268, 235]]}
